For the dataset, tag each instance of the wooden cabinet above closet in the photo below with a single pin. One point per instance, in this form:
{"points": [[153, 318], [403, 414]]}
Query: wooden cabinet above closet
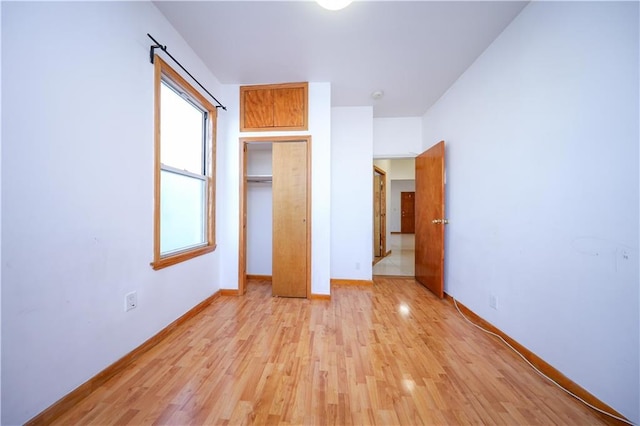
{"points": [[274, 107]]}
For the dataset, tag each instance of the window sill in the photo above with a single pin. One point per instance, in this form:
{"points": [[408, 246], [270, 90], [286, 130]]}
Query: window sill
{"points": [[181, 257]]}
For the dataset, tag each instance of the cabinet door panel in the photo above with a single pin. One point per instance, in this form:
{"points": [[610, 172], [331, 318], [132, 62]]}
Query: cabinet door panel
{"points": [[288, 107], [257, 108]]}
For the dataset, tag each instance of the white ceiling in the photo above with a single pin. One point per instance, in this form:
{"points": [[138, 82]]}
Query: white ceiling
{"points": [[413, 51]]}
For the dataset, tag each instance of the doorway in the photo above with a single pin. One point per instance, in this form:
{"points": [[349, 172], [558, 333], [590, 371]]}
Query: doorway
{"points": [[400, 239], [280, 169]]}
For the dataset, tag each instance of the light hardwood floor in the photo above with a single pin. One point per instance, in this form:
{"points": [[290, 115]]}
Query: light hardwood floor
{"points": [[387, 354]]}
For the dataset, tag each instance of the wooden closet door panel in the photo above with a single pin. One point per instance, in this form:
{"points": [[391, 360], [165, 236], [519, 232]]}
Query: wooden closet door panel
{"points": [[289, 275], [257, 111]]}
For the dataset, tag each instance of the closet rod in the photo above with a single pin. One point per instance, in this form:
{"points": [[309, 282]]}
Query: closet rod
{"points": [[164, 49]]}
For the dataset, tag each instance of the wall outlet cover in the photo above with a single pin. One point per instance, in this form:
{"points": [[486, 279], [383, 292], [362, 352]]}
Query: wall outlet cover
{"points": [[130, 301], [493, 302]]}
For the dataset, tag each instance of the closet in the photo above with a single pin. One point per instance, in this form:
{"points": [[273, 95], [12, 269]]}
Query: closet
{"points": [[275, 212]]}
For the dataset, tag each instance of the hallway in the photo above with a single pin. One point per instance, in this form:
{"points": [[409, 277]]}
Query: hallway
{"points": [[401, 261]]}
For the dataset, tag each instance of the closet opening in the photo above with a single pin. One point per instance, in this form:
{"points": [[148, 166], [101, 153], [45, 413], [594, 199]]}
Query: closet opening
{"points": [[275, 214]]}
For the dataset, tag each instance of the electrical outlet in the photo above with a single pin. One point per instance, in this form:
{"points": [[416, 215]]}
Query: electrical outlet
{"points": [[130, 301], [624, 254], [493, 302]]}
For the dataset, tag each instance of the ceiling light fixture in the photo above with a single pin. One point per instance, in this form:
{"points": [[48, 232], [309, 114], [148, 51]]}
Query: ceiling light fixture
{"points": [[334, 4]]}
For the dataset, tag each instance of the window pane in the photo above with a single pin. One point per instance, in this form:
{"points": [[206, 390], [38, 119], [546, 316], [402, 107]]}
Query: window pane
{"points": [[182, 212], [181, 132]]}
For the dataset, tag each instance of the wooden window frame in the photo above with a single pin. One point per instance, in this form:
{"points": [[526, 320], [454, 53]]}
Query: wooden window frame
{"points": [[163, 70]]}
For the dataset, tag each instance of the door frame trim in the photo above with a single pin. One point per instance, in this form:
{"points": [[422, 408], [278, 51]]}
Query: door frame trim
{"points": [[383, 209], [242, 246]]}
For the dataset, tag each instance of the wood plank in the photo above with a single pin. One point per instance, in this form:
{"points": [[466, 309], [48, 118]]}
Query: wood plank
{"points": [[316, 296], [259, 278], [338, 281]]}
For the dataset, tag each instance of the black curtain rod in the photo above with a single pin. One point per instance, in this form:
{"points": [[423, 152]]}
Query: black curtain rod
{"points": [[164, 49]]}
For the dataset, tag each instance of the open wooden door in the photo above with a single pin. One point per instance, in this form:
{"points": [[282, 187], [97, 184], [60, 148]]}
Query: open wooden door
{"points": [[430, 219]]}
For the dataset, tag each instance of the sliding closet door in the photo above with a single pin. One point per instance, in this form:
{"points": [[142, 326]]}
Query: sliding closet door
{"points": [[289, 276]]}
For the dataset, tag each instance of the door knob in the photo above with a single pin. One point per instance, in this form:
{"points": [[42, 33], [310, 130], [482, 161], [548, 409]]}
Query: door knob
{"points": [[443, 221]]}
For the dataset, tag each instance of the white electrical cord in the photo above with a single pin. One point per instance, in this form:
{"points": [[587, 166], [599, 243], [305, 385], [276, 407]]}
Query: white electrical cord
{"points": [[538, 371]]}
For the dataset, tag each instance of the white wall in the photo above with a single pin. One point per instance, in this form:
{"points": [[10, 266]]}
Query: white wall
{"points": [[403, 168], [259, 228], [397, 137], [0, 213], [259, 212], [397, 187], [542, 156], [77, 188], [320, 130], [351, 192], [229, 187]]}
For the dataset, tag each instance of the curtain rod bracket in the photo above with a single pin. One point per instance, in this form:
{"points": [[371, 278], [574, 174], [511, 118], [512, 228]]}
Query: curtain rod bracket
{"points": [[152, 51], [157, 45]]}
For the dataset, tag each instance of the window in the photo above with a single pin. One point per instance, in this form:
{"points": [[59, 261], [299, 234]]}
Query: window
{"points": [[184, 209]]}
